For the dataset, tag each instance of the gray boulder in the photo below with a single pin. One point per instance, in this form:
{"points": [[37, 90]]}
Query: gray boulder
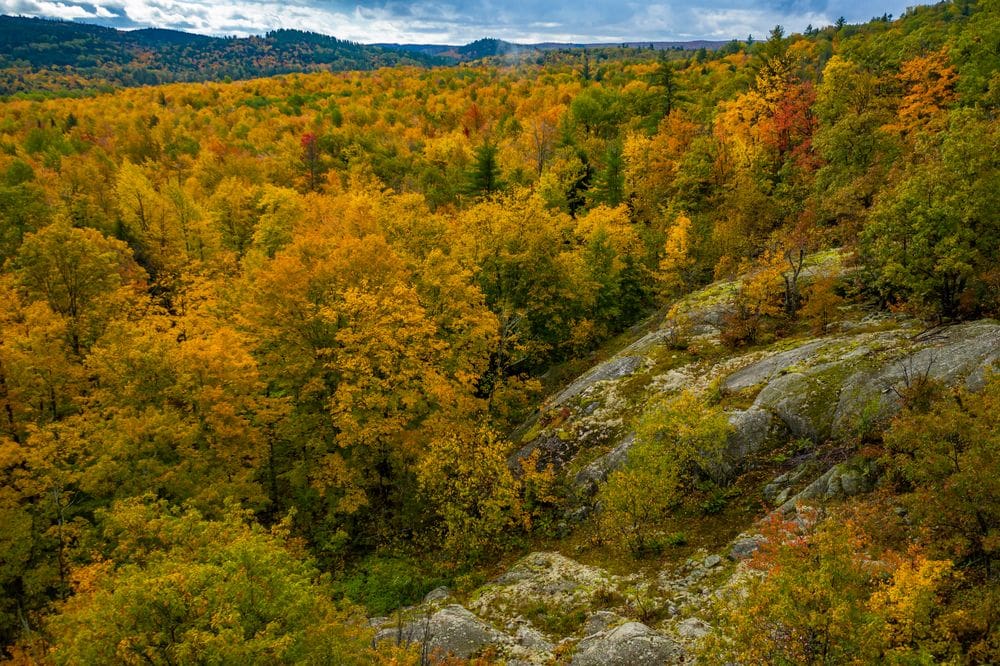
{"points": [[631, 644], [840, 481], [437, 594], [712, 561], [831, 388], [693, 628], [744, 546], [533, 640], [778, 490], [452, 630], [601, 621]]}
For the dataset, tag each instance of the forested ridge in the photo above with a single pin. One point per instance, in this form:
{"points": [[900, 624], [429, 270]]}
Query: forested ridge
{"points": [[274, 353], [41, 57]]}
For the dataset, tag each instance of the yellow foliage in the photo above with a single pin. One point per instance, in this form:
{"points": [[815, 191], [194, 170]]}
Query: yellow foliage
{"points": [[677, 259], [910, 600]]}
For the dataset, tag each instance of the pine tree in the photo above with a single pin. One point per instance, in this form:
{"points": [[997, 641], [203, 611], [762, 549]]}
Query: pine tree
{"points": [[485, 176]]}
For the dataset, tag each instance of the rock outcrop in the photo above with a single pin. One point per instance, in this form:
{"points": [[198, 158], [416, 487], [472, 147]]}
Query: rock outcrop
{"points": [[807, 401], [840, 481], [543, 580], [630, 644], [453, 630]]}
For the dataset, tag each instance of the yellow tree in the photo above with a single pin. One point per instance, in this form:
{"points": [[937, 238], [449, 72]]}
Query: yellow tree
{"points": [[466, 478], [342, 332], [677, 262], [83, 276], [148, 219], [234, 212]]}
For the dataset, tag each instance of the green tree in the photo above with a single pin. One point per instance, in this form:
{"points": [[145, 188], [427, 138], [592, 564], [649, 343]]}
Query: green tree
{"points": [[933, 237], [484, 179], [665, 77], [948, 458], [609, 188], [183, 589]]}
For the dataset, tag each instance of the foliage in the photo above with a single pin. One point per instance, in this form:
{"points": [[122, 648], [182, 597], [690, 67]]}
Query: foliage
{"points": [[756, 300], [677, 441], [947, 458], [383, 583], [146, 57], [188, 589], [932, 237], [466, 478], [822, 598], [910, 590], [281, 292]]}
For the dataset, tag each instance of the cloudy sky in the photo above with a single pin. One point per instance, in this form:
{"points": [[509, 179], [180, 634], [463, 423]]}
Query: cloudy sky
{"points": [[461, 21]]}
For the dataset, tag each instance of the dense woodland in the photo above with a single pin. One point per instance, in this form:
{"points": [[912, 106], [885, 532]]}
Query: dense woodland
{"points": [[41, 57], [262, 343]]}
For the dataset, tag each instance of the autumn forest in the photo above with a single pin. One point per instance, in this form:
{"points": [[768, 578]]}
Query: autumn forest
{"points": [[281, 355]]}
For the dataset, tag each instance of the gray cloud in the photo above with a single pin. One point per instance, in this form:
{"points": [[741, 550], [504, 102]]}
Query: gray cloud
{"points": [[457, 21]]}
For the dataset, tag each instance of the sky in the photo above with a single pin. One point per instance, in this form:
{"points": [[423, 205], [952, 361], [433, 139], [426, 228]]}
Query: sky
{"points": [[462, 21]]}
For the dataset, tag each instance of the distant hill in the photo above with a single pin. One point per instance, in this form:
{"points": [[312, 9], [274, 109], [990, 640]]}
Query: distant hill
{"points": [[484, 48], [42, 56], [45, 55]]}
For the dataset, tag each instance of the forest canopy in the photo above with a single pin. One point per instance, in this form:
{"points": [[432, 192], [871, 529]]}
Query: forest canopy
{"points": [[256, 337]]}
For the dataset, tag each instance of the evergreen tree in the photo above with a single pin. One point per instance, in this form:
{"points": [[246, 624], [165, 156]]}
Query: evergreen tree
{"points": [[610, 186], [485, 176]]}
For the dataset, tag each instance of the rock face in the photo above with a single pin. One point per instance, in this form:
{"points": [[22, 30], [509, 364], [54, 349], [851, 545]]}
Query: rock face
{"points": [[832, 388], [829, 388], [956, 355], [453, 630], [779, 489], [630, 644], [753, 429], [597, 472], [616, 368], [770, 367]]}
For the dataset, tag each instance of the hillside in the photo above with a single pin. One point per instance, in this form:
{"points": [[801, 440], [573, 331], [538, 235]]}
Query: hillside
{"points": [[790, 455], [41, 55], [617, 357]]}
